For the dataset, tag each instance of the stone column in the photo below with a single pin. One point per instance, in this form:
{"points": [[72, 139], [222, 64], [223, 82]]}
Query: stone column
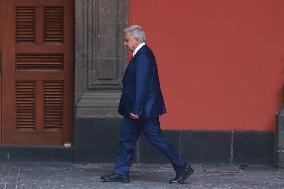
{"points": [[100, 61]]}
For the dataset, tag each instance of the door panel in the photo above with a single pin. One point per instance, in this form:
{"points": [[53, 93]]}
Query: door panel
{"points": [[37, 71]]}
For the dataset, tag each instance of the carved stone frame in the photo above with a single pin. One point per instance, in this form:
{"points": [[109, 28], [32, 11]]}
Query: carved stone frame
{"points": [[100, 57]]}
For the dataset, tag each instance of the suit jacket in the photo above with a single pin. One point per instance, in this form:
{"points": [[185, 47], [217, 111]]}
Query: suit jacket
{"points": [[141, 93]]}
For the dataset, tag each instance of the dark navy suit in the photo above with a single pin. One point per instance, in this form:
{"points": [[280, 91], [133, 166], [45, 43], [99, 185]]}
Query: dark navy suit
{"points": [[141, 95]]}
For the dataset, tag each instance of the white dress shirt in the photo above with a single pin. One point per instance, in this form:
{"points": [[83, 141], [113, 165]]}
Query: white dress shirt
{"points": [[137, 48]]}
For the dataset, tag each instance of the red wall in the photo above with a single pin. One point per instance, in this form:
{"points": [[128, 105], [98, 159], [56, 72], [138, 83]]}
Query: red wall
{"points": [[221, 63]]}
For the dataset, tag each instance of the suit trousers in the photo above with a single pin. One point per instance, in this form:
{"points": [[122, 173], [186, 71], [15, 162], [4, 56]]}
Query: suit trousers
{"points": [[129, 133]]}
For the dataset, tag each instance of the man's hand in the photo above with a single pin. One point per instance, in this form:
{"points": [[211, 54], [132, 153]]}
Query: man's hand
{"points": [[134, 116]]}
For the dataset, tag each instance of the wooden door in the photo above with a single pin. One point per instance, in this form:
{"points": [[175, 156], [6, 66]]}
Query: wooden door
{"points": [[37, 83]]}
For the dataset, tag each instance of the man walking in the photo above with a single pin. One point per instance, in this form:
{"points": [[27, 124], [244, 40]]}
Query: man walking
{"points": [[141, 104]]}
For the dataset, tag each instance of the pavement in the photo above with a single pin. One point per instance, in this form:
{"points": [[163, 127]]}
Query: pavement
{"points": [[36, 175]]}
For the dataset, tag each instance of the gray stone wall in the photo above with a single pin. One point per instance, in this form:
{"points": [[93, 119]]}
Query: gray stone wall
{"points": [[100, 57], [280, 139]]}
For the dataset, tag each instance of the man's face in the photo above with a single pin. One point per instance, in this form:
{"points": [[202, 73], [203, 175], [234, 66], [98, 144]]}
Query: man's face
{"points": [[130, 42]]}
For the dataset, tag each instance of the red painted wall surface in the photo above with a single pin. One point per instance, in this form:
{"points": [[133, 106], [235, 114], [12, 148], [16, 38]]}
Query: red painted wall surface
{"points": [[221, 63]]}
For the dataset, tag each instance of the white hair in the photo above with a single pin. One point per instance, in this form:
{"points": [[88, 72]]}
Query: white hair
{"points": [[136, 31]]}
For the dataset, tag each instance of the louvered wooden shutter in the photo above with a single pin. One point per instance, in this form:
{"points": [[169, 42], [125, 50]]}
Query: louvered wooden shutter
{"points": [[25, 24], [39, 61], [53, 24], [53, 104], [25, 104], [38, 71]]}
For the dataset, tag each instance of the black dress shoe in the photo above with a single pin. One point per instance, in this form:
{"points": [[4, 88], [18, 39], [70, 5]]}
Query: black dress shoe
{"points": [[115, 178], [180, 178]]}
